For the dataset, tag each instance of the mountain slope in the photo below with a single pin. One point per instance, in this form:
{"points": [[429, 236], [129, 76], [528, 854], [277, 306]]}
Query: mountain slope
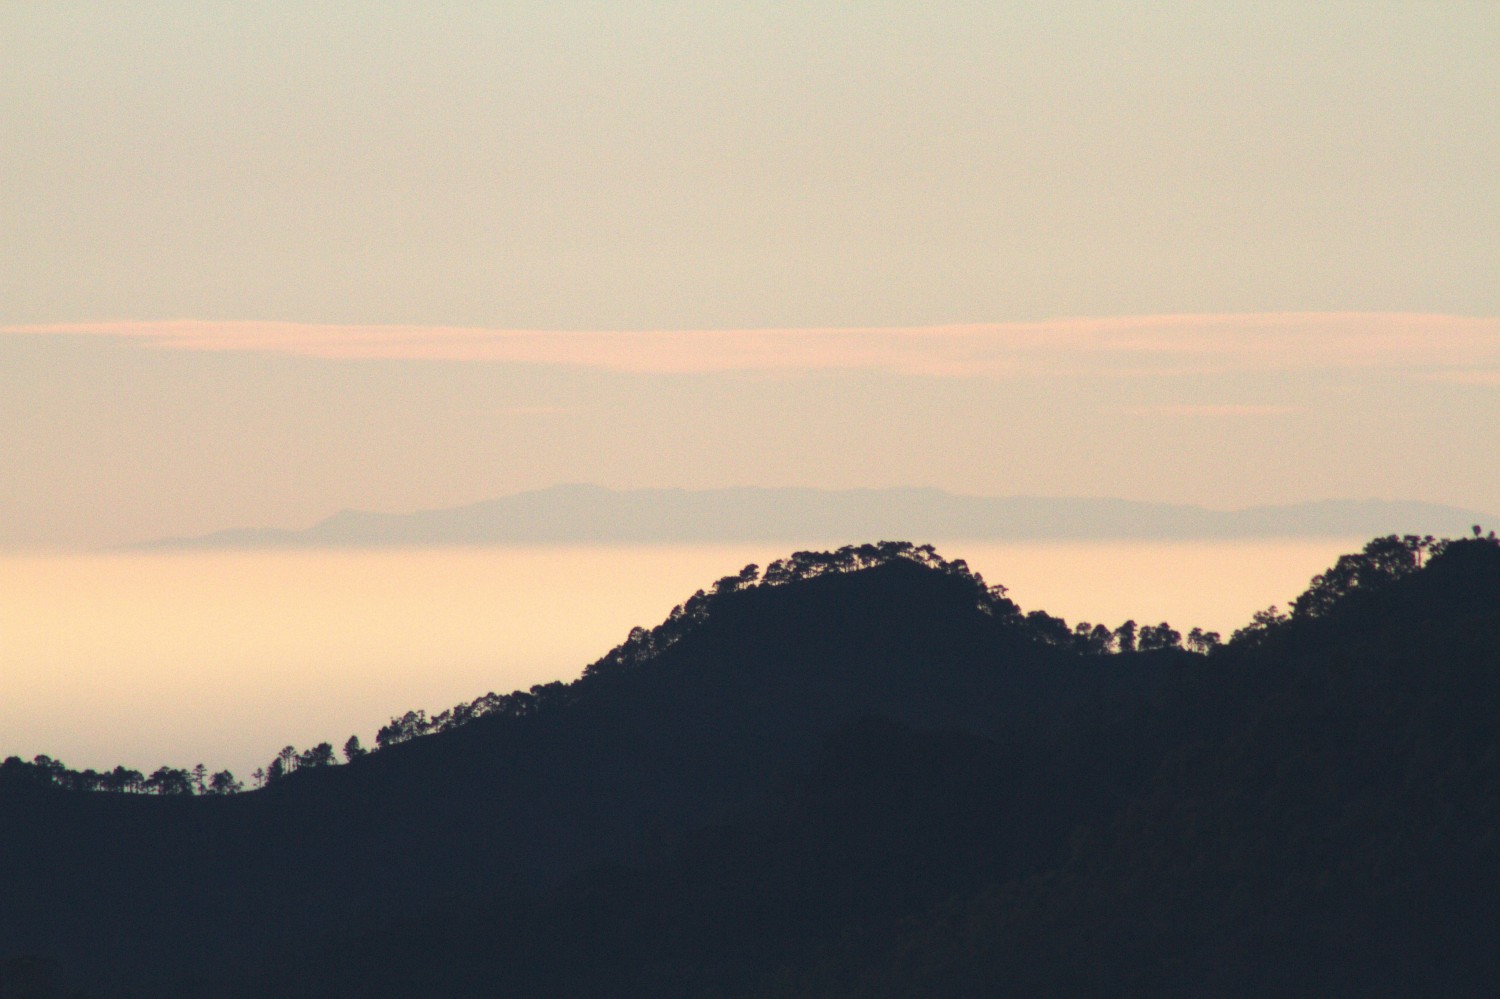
{"points": [[1311, 811], [1325, 823], [601, 770], [873, 782]]}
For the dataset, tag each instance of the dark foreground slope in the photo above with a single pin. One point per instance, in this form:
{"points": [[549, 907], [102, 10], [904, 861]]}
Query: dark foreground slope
{"points": [[136, 892], [880, 783], [1327, 823], [1312, 811]]}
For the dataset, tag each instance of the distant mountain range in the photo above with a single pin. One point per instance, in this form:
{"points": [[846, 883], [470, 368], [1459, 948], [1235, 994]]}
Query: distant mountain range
{"points": [[577, 514]]}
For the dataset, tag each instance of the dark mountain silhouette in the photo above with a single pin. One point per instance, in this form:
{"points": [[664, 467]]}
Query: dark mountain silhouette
{"points": [[872, 777], [584, 513]]}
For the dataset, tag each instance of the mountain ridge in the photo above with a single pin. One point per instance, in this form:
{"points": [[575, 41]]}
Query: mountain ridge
{"points": [[860, 774], [592, 514], [603, 769]]}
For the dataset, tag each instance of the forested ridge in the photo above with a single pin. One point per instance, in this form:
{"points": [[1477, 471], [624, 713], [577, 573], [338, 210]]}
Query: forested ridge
{"points": [[859, 773], [639, 646]]}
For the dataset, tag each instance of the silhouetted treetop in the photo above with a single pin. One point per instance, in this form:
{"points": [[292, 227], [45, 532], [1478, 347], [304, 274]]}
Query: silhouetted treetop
{"points": [[643, 645], [1382, 562], [1354, 578]]}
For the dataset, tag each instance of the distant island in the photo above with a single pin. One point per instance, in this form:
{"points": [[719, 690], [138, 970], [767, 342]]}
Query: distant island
{"points": [[584, 514]]}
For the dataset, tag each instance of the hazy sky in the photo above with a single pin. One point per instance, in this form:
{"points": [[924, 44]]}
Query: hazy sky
{"points": [[261, 262]]}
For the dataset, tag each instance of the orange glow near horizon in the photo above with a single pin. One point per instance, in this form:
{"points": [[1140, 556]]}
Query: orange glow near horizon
{"points": [[224, 657]]}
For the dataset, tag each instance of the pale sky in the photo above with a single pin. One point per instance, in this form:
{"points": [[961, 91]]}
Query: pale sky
{"points": [[262, 262]]}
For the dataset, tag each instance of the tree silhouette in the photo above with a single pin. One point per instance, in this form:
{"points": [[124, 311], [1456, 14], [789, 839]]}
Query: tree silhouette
{"points": [[1154, 638], [1382, 562], [1263, 623], [170, 780], [123, 779], [1092, 639], [320, 755], [353, 750], [223, 782], [403, 729], [283, 765], [1202, 642]]}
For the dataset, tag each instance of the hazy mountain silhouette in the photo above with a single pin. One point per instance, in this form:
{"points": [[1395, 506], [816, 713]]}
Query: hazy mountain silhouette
{"points": [[874, 778], [587, 513]]}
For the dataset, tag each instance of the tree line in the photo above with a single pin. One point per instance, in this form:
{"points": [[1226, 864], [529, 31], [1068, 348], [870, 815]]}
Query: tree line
{"points": [[1382, 561], [44, 771], [640, 646]]}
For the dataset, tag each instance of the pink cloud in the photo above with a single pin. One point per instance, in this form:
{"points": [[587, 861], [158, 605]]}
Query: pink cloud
{"points": [[536, 410], [1478, 376], [1117, 346], [1212, 410]]}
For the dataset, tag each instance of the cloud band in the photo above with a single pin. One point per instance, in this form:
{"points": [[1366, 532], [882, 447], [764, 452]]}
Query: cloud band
{"points": [[1438, 346]]}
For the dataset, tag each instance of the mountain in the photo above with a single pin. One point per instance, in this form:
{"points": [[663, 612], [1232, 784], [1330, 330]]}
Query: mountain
{"points": [[859, 774], [665, 734], [574, 514]]}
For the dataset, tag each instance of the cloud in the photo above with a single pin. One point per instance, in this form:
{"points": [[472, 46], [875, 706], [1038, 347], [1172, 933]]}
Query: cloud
{"points": [[1212, 410], [1478, 376], [536, 410], [1125, 346]]}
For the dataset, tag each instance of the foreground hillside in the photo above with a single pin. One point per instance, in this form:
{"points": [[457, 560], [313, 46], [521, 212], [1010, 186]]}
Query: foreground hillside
{"points": [[1326, 821], [876, 780]]}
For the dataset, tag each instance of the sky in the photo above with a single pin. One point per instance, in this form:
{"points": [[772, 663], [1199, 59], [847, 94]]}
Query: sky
{"points": [[264, 262]]}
